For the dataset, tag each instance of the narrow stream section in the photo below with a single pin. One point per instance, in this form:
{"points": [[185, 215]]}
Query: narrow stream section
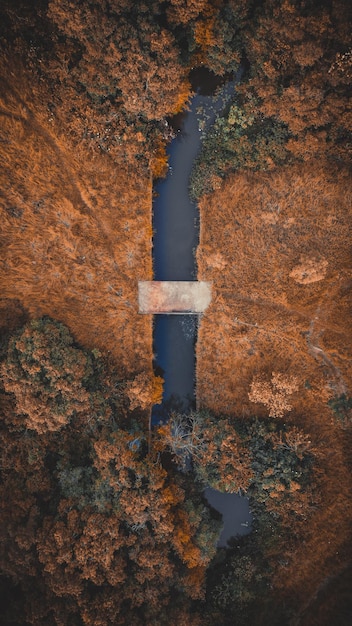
{"points": [[176, 236], [175, 240]]}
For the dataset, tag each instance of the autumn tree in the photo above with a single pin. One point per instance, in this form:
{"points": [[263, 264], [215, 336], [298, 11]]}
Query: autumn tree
{"points": [[143, 392], [293, 103], [220, 36], [138, 62], [282, 462], [123, 522], [294, 51], [214, 448], [86, 508], [184, 11], [50, 377], [274, 395]]}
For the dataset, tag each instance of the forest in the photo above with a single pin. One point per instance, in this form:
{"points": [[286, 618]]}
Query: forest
{"points": [[103, 521]]}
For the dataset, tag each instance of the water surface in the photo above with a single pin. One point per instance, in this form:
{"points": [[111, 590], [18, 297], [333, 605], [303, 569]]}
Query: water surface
{"points": [[235, 512]]}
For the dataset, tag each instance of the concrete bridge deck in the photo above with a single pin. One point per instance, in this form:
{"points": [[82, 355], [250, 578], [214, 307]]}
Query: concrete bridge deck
{"points": [[173, 297]]}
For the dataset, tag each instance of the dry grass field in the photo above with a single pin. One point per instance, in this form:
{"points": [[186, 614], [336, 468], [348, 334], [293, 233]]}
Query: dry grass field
{"points": [[277, 248], [76, 229]]}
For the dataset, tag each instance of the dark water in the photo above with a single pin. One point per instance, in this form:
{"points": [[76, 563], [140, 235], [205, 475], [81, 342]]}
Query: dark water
{"points": [[235, 513], [176, 235], [175, 216], [174, 345]]}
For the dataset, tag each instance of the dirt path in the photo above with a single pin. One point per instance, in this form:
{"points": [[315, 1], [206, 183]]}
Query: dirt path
{"points": [[335, 375]]}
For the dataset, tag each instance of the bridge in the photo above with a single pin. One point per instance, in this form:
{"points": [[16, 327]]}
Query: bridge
{"points": [[177, 297]]}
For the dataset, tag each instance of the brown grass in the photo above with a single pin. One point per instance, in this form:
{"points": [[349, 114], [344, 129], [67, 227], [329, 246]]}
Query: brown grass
{"points": [[76, 230], [261, 318]]}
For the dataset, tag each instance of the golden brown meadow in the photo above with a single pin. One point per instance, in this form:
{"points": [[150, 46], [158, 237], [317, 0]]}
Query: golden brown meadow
{"points": [[76, 230], [281, 279]]}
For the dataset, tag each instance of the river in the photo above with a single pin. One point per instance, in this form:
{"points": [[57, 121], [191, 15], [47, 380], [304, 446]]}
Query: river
{"points": [[176, 236]]}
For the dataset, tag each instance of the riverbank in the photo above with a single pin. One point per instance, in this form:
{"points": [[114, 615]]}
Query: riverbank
{"points": [[176, 236]]}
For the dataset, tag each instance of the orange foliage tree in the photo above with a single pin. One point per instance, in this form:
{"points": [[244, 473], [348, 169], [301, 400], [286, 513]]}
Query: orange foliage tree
{"points": [[143, 392], [136, 57], [49, 376], [88, 508], [274, 395], [299, 57]]}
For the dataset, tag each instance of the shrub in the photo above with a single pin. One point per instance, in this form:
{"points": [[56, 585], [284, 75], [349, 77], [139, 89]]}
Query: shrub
{"points": [[48, 375]]}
